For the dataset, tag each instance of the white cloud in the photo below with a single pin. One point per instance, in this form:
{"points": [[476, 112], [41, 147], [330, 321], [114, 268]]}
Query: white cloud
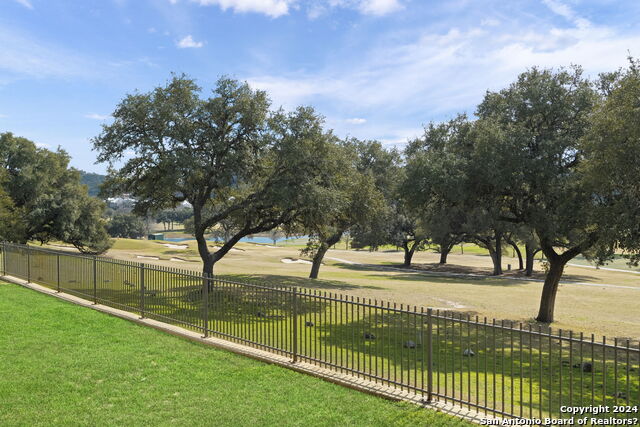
{"points": [[3, 116], [272, 8], [366, 7], [356, 121], [437, 74], [23, 55], [25, 3], [559, 8], [566, 12], [490, 22], [278, 8], [188, 42], [448, 68], [95, 116], [379, 7]]}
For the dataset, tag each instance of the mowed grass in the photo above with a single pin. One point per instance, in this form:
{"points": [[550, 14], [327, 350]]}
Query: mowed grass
{"points": [[236, 312], [67, 365], [603, 310]]}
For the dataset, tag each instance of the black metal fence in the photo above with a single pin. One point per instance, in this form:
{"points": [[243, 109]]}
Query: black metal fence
{"points": [[500, 368]]}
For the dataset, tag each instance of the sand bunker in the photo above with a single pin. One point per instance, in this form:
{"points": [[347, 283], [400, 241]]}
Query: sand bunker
{"points": [[295, 261], [148, 257], [172, 246], [177, 260]]}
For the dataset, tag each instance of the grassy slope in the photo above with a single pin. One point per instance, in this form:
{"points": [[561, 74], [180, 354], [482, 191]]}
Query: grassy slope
{"points": [[64, 364], [236, 318]]}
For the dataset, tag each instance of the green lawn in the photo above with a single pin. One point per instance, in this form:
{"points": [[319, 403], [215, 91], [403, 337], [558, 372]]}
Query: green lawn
{"points": [[610, 311], [65, 364], [517, 371]]}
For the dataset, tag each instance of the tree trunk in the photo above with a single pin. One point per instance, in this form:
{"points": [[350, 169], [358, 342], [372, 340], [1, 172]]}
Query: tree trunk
{"points": [[207, 267], [495, 250], [207, 272], [322, 250], [446, 245], [207, 260], [556, 268], [494, 246], [408, 256], [530, 253], [408, 252], [497, 268], [550, 289], [203, 249], [317, 261], [497, 265], [517, 251], [444, 252]]}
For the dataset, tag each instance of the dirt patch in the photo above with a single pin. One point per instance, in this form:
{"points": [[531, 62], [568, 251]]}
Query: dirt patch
{"points": [[155, 258], [450, 304]]}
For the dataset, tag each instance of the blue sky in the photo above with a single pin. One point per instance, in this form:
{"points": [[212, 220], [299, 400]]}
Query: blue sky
{"points": [[376, 69]]}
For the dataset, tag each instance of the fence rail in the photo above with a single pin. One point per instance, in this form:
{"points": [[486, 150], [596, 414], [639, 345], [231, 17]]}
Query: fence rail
{"points": [[499, 368]]}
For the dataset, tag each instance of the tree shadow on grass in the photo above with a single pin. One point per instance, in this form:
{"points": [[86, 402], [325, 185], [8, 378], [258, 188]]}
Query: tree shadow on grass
{"points": [[180, 252], [487, 271], [527, 366], [276, 280], [435, 276], [415, 276]]}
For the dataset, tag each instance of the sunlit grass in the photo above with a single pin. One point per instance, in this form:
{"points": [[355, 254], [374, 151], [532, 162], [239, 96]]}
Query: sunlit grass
{"points": [[602, 310], [263, 316], [66, 365]]}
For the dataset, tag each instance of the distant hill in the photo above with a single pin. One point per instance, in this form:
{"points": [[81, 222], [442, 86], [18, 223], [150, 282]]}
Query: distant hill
{"points": [[93, 181]]}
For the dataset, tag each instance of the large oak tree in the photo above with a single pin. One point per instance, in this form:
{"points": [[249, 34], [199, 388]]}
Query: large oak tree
{"points": [[49, 198], [350, 196], [230, 156], [544, 117]]}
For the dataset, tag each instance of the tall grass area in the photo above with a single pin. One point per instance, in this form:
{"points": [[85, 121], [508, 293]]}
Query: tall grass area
{"points": [[66, 365]]}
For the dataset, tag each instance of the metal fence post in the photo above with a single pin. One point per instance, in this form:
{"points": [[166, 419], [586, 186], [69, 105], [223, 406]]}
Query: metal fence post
{"points": [[142, 291], [294, 311], [205, 303], [95, 280], [58, 271], [429, 355], [28, 264]]}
